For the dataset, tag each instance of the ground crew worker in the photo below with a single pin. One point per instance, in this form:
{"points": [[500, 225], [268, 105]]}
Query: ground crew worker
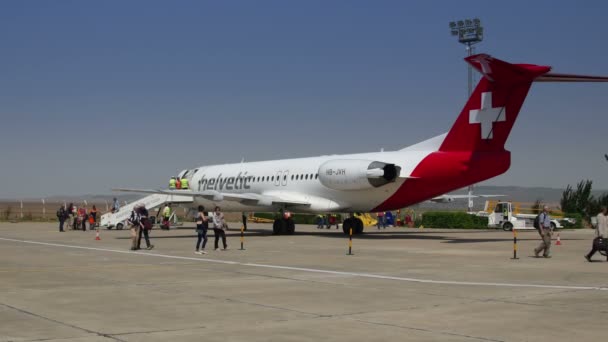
{"points": [[172, 182], [178, 183], [184, 183], [166, 216], [505, 212], [544, 222]]}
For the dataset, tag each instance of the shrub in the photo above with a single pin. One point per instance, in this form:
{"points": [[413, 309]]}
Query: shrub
{"points": [[453, 220], [577, 224], [6, 215]]}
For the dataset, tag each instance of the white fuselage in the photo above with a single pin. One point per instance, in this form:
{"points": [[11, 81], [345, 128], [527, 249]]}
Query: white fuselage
{"points": [[298, 180]]}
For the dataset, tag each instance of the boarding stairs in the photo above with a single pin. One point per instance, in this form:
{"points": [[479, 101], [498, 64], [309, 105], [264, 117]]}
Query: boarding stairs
{"points": [[118, 219]]}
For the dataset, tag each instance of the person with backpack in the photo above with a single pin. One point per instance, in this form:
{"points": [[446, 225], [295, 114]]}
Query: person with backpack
{"points": [[61, 216], [134, 221], [202, 225], [145, 225], [601, 234], [218, 228], [544, 229]]}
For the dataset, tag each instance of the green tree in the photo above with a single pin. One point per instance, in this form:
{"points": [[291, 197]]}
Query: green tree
{"points": [[580, 200]]}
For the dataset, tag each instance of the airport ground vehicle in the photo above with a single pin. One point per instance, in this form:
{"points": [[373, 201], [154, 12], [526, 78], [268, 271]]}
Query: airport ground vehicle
{"points": [[504, 216]]}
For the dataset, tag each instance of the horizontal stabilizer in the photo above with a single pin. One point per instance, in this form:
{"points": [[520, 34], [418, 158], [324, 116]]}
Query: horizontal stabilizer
{"points": [[570, 78]]}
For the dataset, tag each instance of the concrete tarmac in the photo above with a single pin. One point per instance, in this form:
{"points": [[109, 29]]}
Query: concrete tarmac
{"points": [[400, 285]]}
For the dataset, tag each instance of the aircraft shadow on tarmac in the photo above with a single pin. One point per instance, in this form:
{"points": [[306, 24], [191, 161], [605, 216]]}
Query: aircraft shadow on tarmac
{"points": [[369, 235]]}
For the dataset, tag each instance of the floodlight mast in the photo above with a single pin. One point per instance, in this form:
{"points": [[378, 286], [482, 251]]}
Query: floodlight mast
{"points": [[469, 33]]}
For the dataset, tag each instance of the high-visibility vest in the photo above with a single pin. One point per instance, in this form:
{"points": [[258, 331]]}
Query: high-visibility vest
{"points": [[167, 212], [172, 183], [184, 183]]}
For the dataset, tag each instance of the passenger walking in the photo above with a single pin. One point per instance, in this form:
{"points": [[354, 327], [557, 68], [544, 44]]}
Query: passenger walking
{"points": [[544, 222], [74, 217], [61, 216], [380, 222], [93, 217], [319, 221], [601, 234], [115, 206], [82, 218], [202, 224], [134, 221], [69, 217], [145, 227], [219, 224]]}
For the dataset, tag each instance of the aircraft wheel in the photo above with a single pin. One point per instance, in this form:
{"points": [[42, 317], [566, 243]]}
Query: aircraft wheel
{"points": [[507, 226], [291, 226], [347, 225], [358, 226]]}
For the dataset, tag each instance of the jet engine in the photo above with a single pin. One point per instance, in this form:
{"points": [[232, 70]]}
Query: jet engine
{"points": [[354, 174]]}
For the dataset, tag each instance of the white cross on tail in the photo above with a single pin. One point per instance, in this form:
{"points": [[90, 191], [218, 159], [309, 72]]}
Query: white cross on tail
{"points": [[486, 115]]}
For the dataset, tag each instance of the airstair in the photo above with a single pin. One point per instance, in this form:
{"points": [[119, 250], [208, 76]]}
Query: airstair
{"points": [[118, 219]]}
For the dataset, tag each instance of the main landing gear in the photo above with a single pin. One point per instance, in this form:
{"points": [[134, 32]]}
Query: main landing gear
{"points": [[284, 225], [354, 223]]}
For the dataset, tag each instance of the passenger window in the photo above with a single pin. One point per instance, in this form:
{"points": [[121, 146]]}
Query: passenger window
{"points": [[291, 177], [306, 177]]}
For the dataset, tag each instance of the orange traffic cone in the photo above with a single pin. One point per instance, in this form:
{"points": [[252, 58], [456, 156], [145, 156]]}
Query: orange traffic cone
{"points": [[559, 241], [97, 235]]}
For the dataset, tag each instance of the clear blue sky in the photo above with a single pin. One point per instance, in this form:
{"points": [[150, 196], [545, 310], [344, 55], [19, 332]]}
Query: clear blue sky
{"points": [[101, 94]]}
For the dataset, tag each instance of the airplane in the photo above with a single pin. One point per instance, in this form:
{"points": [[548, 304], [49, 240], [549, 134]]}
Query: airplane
{"points": [[471, 152]]}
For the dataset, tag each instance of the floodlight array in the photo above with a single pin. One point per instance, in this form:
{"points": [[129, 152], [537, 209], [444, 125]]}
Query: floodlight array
{"points": [[469, 31]]}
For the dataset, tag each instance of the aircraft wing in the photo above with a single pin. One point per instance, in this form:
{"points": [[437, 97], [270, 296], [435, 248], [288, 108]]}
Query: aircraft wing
{"points": [[212, 195], [450, 198]]}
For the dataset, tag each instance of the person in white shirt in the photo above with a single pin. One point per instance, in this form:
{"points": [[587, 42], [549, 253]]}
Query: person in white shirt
{"points": [[601, 232], [218, 228]]}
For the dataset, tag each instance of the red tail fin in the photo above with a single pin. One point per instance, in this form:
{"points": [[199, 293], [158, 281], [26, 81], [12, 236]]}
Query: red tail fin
{"points": [[488, 116]]}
